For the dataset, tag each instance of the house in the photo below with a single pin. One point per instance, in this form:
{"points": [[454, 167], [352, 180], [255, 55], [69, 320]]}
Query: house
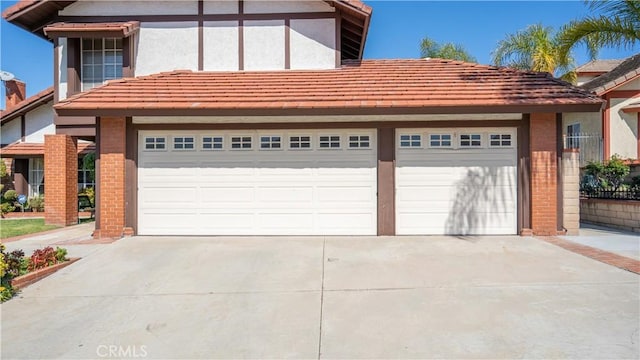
{"points": [[24, 125], [262, 118], [615, 130]]}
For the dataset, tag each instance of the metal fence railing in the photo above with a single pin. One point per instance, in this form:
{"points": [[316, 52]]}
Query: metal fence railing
{"points": [[609, 193], [590, 145]]}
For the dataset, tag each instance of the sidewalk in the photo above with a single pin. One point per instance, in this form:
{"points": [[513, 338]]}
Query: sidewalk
{"points": [[619, 242], [76, 239]]}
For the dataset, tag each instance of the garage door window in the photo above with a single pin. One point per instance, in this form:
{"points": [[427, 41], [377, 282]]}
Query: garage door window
{"points": [[410, 141], [299, 142], [212, 143], [329, 141], [184, 143], [154, 143], [470, 140], [500, 140], [359, 142], [241, 143], [270, 142], [440, 140]]}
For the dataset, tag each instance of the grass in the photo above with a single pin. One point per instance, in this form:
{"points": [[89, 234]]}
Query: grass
{"points": [[11, 228]]}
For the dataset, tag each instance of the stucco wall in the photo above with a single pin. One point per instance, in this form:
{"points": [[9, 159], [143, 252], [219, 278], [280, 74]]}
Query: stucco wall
{"points": [[264, 45], [62, 68], [166, 47], [583, 79], [620, 214], [137, 7], [624, 129], [590, 123], [633, 85], [39, 122], [313, 44], [261, 6], [11, 131], [221, 46]]}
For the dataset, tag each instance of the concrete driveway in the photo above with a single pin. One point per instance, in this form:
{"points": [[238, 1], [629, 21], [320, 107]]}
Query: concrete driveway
{"points": [[334, 297]]}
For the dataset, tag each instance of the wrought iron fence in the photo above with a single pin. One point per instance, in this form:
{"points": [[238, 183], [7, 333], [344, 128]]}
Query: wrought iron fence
{"points": [[590, 146], [610, 193]]}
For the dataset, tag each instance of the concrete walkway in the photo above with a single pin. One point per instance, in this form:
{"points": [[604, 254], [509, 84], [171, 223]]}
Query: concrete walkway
{"points": [[619, 242], [333, 297], [76, 239]]}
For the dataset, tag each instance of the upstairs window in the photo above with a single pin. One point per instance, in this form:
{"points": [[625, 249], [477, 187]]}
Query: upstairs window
{"points": [[101, 61]]}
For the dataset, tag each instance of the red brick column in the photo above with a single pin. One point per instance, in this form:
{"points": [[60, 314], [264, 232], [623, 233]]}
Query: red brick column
{"points": [[61, 180], [544, 174], [112, 147]]}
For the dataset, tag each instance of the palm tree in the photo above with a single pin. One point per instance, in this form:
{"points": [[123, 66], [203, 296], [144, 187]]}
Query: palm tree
{"points": [[432, 49], [536, 48], [618, 26]]}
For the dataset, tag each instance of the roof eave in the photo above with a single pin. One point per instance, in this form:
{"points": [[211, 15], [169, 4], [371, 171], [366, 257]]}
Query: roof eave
{"points": [[15, 112], [594, 106]]}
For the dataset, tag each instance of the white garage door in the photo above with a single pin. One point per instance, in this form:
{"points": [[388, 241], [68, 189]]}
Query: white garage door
{"points": [[456, 181], [257, 182]]}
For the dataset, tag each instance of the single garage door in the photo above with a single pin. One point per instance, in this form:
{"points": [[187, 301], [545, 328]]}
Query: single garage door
{"points": [[302, 182], [456, 181]]}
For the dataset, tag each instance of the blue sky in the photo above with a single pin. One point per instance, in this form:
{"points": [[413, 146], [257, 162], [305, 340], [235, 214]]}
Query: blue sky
{"points": [[395, 32]]}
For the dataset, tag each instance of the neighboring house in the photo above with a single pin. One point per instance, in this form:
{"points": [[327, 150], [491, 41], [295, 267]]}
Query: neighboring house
{"points": [[24, 125], [615, 130], [261, 118]]}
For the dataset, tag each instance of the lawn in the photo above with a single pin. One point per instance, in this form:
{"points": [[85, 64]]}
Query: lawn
{"points": [[11, 228]]}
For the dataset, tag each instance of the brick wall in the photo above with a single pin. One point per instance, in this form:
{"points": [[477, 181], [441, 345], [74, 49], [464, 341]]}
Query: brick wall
{"points": [[61, 180], [621, 214], [112, 145], [544, 172]]}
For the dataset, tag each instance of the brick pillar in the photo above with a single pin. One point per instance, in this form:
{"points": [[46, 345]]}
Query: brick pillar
{"points": [[111, 179], [544, 174], [571, 191], [61, 180]]}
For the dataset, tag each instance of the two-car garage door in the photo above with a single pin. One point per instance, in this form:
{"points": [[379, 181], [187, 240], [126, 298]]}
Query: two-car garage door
{"points": [[323, 182], [257, 182]]}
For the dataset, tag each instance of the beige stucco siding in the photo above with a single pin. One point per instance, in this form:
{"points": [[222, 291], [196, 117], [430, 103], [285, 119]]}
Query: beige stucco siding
{"points": [[624, 129]]}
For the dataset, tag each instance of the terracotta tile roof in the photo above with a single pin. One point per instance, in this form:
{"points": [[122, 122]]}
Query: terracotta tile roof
{"points": [[599, 66], [626, 71], [35, 149], [26, 105], [114, 29], [418, 85]]}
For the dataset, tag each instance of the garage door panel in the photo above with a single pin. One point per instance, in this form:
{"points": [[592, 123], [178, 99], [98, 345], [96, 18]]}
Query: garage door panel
{"points": [[457, 190], [257, 191]]}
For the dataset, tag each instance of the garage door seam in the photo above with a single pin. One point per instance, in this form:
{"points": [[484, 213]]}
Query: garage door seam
{"points": [[324, 242]]}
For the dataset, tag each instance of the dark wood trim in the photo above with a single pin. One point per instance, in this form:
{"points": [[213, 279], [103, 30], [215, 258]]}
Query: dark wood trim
{"points": [[638, 136], [21, 175], [200, 35], [23, 127], [97, 177], [330, 111], [606, 128], [77, 130], [56, 71], [194, 18], [524, 175], [386, 182], [131, 177], [73, 67], [287, 44], [90, 34], [338, 30], [623, 94], [240, 35], [74, 120], [559, 173], [335, 125], [127, 57]]}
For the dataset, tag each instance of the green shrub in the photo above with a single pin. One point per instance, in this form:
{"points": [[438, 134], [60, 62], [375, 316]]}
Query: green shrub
{"points": [[61, 254], [90, 192], [36, 203], [10, 195], [7, 208], [608, 174]]}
